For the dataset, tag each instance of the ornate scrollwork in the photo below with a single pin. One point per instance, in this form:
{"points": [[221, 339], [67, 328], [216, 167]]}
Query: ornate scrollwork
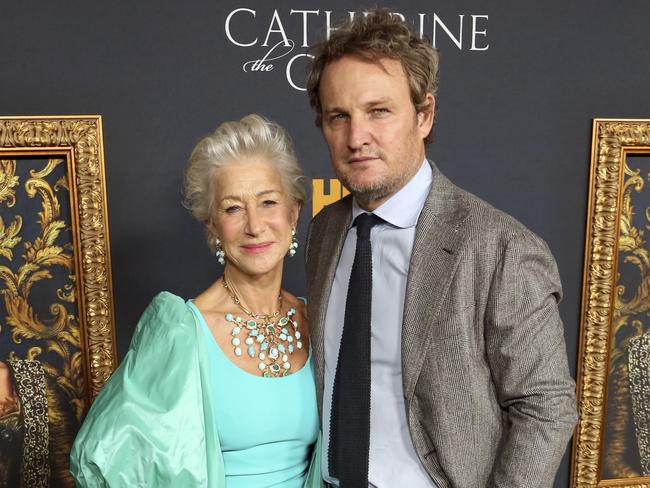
{"points": [[8, 180], [82, 136], [610, 139], [625, 330]]}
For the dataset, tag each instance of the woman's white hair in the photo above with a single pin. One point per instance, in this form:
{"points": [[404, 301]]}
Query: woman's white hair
{"points": [[231, 142]]}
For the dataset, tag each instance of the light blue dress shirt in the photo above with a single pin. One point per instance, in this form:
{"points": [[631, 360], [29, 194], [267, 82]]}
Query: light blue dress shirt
{"points": [[393, 460]]}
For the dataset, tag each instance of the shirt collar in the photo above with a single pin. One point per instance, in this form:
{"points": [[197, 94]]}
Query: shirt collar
{"points": [[403, 209]]}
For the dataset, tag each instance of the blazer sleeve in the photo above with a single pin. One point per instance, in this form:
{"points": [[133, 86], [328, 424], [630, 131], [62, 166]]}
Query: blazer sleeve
{"points": [[527, 356], [146, 427]]}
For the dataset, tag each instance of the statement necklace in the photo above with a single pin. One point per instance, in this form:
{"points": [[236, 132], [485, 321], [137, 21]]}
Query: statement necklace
{"points": [[269, 338]]}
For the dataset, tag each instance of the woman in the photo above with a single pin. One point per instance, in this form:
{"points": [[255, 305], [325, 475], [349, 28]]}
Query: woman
{"points": [[219, 391]]}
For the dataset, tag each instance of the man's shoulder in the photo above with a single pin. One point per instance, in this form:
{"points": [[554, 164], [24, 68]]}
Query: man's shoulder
{"points": [[481, 219], [330, 221], [490, 218], [338, 210]]}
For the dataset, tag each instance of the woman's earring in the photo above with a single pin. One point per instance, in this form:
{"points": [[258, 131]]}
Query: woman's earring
{"points": [[219, 252], [294, 243]]}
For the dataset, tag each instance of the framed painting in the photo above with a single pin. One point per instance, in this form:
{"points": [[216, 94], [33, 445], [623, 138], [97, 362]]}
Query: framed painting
{"points": [[57, 346], [612, 442]]}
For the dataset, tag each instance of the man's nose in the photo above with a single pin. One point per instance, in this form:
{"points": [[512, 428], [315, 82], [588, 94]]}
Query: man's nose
{"points": [[358, 134]]}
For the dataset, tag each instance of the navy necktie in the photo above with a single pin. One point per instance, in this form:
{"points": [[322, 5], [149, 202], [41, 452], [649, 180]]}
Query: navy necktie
{"points": [[349, 438]]}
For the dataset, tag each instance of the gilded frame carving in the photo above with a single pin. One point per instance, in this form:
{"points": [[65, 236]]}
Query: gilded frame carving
{"points": [[612, 141], [78, 139]]}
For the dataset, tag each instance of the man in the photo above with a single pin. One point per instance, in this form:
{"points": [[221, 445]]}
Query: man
{"points": [[441, 359]]}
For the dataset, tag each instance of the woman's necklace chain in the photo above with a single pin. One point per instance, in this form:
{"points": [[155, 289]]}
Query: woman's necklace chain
{"points": [[269, 341]]}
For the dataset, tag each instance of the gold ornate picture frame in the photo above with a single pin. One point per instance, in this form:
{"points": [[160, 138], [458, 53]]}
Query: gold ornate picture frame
{"points": [[57, 331], [612, 442]]}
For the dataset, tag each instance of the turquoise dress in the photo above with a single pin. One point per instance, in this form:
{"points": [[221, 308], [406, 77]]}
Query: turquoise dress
{"points": [[266, 425], [155, 423]]}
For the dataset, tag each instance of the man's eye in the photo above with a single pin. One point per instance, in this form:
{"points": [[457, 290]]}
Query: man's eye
{"points": [[337, 117], [269, 203], [232, 209], [380, 110]]}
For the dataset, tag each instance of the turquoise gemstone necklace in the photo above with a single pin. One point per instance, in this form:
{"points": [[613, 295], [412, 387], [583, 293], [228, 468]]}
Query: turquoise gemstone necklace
{"points": [[270, 339]]}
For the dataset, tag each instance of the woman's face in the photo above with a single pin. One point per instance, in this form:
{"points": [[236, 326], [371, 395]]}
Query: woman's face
{"points": [[253, 215]]}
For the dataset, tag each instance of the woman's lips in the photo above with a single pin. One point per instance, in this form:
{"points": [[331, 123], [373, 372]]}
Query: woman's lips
{"points": [[257, 248]]}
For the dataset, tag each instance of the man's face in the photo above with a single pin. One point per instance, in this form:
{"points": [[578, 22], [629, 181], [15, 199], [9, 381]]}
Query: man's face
{"points": [[375, 136]]}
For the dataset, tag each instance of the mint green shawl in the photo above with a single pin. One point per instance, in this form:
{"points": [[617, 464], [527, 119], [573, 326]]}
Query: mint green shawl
{"points": [[152, 425]]}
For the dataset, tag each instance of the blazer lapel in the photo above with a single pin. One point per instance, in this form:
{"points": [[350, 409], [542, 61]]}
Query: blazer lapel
{"points": [[439, 237], [328, 245]]}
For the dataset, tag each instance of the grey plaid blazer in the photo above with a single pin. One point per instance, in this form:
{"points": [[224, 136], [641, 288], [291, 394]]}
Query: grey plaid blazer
{"points": [[489, 398]]}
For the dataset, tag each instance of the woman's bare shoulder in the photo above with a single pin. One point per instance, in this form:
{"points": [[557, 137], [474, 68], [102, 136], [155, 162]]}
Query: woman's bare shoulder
{"points": [[212, 300]]}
